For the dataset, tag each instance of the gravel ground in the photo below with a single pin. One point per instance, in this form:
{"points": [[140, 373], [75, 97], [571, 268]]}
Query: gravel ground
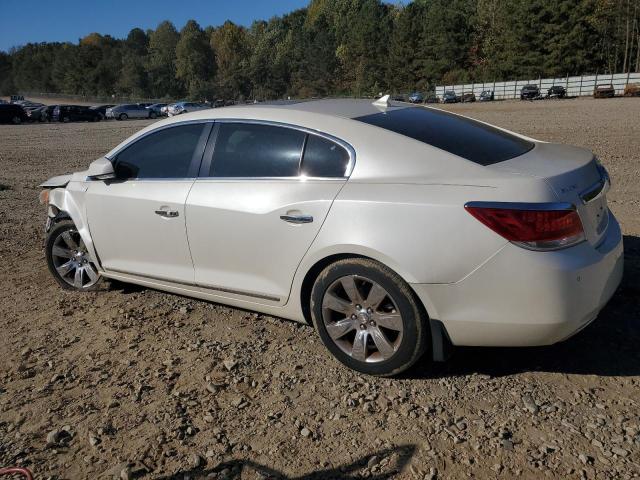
{"points": [[129, 382]]}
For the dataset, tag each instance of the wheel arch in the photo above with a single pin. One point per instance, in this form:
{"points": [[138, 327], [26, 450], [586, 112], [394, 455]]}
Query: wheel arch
{"points": [[440, 343]]}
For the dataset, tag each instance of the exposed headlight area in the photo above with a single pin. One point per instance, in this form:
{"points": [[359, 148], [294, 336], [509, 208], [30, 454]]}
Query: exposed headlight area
{"points": [[542, 226]]}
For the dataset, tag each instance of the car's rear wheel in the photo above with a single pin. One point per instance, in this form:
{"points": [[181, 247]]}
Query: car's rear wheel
{"points": [[68, 260], [123, 116], [16, 120], [368, 317]]}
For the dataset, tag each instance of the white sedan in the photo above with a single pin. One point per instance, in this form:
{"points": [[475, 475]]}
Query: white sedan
{"points": [[394, 229]]}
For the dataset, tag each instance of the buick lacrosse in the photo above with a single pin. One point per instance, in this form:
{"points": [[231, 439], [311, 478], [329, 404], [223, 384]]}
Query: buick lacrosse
{"points": [[395, 230]]}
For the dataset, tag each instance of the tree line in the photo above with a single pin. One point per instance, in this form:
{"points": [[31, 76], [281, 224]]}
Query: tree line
{"points": [[340, 47]]}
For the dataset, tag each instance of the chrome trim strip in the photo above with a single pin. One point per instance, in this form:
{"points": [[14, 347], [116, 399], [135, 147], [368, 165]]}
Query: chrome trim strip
{"points": [[546, 206], [155, 130], [339, 141], [199, 285]]}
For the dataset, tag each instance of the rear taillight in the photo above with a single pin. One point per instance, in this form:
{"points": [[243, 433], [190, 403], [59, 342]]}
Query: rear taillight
{"points": [[536, 226]]}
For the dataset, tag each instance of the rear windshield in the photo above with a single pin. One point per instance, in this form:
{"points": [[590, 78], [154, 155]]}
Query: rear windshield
{"points": [[460, 136]]}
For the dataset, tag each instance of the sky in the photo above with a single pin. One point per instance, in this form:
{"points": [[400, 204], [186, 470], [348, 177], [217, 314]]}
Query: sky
{"points": [[27, 21]]}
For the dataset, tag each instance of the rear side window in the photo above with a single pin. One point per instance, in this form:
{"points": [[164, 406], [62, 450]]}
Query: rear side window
{"points": [[253, 150], [460, 136], [324, 158], [167, 153]]}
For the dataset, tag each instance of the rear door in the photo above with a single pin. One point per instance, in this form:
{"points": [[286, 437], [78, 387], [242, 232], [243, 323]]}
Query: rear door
{"points": [[262, 197], [137, 222]]}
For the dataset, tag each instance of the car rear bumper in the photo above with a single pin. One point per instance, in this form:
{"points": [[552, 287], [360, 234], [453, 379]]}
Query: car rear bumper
{"points": [[526, 298]]}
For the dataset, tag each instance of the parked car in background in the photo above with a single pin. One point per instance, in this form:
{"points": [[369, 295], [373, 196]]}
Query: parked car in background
{"points": [[218, 103], [557, 91], [185, 107], [432, 99], [632, 90], [11, 113], [74, 113], [450, 97], [157, 108], [36, 114], [416, 97], [468, 97], [164, 111], [129, 110], [604, 91], [102, 109], [47, 113], [529, 92], [529, 261], [487, 96]]}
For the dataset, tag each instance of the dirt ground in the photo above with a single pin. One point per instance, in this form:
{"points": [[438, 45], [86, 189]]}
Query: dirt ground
{"points": [[128, 382]]}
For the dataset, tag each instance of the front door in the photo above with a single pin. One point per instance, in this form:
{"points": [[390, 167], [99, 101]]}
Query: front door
{"points": [[262, 199], [137, 222]]}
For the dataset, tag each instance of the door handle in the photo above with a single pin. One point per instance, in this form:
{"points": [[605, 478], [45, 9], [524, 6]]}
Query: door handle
{"points": [[167, 213], [297, 219]]}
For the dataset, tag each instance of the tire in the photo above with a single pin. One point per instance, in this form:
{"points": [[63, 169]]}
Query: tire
{"points": [[357, 337], [62, 243], [152, 115], [16, 120], [123, 116]]}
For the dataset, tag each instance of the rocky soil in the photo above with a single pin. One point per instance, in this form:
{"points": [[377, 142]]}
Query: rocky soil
{"points": [[133, 383]]}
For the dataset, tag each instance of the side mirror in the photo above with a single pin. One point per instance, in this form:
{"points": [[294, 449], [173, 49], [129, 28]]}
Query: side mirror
{"points": [[101, 169]]}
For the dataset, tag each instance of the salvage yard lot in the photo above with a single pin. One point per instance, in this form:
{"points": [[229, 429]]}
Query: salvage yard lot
{"points": [[169, 386]]}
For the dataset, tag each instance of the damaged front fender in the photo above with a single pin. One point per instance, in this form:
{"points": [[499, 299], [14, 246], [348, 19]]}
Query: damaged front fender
{"points": [[69, 203]]}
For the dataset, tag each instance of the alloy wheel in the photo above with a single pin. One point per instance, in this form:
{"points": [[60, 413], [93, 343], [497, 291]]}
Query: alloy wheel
{"points": [[71, 260], [362, 319]]}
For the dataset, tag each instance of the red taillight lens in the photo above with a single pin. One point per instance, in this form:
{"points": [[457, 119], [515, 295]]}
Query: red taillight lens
{"points": [[536, 227]]}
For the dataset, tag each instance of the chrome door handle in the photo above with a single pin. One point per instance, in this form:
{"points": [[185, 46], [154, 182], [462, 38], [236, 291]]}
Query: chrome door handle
{"points": [[297, 219], [167, 213]]}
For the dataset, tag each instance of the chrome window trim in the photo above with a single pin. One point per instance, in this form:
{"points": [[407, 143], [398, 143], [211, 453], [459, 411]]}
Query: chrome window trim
{"points": [[350, 150], [544, 206], [206, 132], [112, 154]]}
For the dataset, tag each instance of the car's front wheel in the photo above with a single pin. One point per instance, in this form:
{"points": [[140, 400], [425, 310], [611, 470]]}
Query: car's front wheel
{"points": [[68, 260], [16, 120], [123, 116], [368, 317]]}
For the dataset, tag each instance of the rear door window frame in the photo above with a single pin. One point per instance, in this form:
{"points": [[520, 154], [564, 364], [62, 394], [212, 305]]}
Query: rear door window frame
{"points": [[205, 166]]}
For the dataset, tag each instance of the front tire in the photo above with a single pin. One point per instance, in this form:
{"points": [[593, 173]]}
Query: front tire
{"points": [[123, 116], [68, 260], [16, 120], [368, 317]]}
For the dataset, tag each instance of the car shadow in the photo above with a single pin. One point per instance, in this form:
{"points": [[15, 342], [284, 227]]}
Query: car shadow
{"points": [[243, 468], [607, 347]]}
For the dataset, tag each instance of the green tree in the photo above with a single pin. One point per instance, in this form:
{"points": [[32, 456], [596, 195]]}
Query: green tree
{"points": [[230, 44], [161, 62], [195, 64]]}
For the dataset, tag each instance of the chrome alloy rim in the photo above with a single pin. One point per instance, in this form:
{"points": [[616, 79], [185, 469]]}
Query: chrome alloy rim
{"points": [[71, 260], [362, 319]]}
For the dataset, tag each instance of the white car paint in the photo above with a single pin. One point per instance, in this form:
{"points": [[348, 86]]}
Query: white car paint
{"points": [[402, 205]]}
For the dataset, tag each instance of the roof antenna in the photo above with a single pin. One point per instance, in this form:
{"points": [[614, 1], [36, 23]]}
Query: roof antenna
{"points": [[383, 101]]}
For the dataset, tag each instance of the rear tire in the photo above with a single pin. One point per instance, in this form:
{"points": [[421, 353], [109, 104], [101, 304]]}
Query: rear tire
{"points": [[368, 317], [123, 116], [68, 260], [16, 120]]}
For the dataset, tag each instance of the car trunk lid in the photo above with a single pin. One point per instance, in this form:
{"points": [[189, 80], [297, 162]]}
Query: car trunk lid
{"points": [[575, 177]]}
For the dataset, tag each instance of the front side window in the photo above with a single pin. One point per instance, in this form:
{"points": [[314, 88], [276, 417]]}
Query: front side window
{"points": [[254, 150], [167, 153]]}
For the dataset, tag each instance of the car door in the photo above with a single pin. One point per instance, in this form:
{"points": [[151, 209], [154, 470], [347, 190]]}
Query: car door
{"points": [[137, 221], [262, 197]]}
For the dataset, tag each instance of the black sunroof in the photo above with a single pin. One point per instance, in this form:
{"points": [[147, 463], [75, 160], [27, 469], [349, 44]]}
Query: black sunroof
{"points": [[469, 139]]}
